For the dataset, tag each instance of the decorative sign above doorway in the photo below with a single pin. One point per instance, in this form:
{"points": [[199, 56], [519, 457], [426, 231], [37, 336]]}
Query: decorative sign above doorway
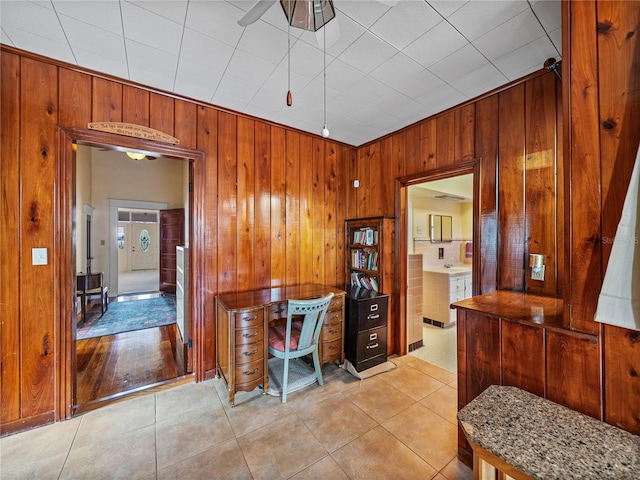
{"points": [[131, 130]]}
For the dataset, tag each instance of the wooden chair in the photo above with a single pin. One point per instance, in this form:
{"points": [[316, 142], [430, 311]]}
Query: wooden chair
{"points": [[88, 285], [300, 335]]}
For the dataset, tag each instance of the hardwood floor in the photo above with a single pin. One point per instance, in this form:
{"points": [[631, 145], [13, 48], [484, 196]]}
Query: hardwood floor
{"points": [[110, 365]]}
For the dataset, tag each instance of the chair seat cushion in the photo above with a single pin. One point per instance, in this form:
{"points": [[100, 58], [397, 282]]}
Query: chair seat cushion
{"points": [[278, 336]]}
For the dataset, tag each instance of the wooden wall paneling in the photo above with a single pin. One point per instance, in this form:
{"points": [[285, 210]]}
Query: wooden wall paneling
{"points": [[227, 198], [318, 208], [206, 176], [622, 382], [10, 239], [351, 159], [106, 102], [583, 164], [185, 117], [487, 150], [135, 105], [262, 270], [511, 261], [464, 449], [464, 133], [392, 153], [619, 78], [482, 359], [307, 262], [246, 203], [523, 357], [362, 175], [561, 271], [74, 98], [428, 145], [342, 194], [541, 236], [278, 208], [445, 139], [161, 113], [292, 188], [39, 301], [573, 372], [413, 156], [332, 264]]}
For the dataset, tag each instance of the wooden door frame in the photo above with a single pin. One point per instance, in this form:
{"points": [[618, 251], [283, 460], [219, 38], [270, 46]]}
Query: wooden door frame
{"points": [[401, 200], [65, 266]]}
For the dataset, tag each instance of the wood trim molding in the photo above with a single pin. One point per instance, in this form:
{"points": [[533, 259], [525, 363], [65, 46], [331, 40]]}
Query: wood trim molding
{"points": [[67, 138]]}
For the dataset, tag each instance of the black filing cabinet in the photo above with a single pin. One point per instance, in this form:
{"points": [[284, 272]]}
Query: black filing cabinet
{"points": [[366, 327]]}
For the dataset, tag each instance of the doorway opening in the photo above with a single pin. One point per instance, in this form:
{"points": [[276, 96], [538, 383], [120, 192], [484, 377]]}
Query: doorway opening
{"points": [[453, 245], [440, 266], [86, 188], [137, 252]]}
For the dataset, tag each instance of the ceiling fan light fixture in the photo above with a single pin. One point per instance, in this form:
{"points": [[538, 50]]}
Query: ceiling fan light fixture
{"points": [[308, 14], [136, 155]]}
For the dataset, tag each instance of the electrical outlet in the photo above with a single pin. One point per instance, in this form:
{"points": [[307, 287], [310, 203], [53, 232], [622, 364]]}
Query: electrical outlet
{"points": [[538, 273]]}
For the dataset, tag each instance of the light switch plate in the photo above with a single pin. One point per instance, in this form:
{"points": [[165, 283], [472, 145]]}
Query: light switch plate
{"points": [[539, 275], [39, 256]]}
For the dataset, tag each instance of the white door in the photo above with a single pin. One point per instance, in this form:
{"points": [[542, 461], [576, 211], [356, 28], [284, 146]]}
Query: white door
{"points": [[144, 246]]}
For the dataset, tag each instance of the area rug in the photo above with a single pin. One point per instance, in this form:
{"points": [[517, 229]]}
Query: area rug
{"points": [[129, 316], [300, 375]]}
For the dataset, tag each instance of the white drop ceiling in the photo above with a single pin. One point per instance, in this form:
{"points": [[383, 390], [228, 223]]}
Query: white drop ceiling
{"points": [[388, 63]]}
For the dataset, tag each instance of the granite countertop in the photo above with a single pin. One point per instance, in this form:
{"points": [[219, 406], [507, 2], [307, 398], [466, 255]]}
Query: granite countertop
{"points": [[548, 441]]}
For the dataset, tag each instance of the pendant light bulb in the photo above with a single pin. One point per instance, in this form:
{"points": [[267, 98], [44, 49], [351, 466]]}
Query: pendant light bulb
{"points": [[325, 131]]}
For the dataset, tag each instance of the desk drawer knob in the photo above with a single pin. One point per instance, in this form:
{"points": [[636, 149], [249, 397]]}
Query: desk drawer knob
{"points": [[250, 319], [251, 372], [334, 330], [333, 347], [250, 335], [248, 354]]}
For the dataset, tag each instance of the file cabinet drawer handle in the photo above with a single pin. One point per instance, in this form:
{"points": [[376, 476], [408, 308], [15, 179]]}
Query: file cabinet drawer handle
{"points": [[375, 345]]}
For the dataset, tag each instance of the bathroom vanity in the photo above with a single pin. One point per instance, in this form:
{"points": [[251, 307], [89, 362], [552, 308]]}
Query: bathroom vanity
{"points": [[441, 286]]}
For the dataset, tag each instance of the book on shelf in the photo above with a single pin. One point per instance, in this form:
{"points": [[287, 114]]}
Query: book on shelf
{"points": [[365, 236], [361, 280]]}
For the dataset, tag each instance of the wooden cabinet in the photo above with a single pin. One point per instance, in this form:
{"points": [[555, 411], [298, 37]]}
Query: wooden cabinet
{"points": [[518, 339], [366, 338], [242, 324], [370, 253], [440, 288]]}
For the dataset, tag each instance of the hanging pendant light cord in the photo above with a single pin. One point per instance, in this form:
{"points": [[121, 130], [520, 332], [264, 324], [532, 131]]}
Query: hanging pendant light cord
{"points": [[324, 70]]}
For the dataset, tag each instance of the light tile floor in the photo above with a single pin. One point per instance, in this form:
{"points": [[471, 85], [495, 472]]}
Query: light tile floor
{"points": [[438, 346], [399, 424]]}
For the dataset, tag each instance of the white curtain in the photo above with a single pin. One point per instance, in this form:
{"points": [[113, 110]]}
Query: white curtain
{"points": [[619, 300]]}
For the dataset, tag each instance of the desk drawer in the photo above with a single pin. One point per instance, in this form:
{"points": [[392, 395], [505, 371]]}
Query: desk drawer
{"points": [[276, 311], [332, 317], [248, 319], [332, 331], [336, 302], [249, 371], [249, 335], [331, 351], [249, 353]]}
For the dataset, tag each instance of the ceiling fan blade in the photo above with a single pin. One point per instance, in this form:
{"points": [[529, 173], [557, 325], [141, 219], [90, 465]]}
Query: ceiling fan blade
{"points": [[331, 30], [256, 12]]}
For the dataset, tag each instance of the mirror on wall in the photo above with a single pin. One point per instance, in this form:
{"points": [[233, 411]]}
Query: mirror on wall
{"points": [[440, 228]]}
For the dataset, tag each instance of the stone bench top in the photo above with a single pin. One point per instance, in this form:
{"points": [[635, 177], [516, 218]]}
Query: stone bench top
{"points": [[546, 440]]}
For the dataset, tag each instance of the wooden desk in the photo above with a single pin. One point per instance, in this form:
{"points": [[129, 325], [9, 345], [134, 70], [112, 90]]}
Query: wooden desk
{"points": [[91, 284], [242, 322]]}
